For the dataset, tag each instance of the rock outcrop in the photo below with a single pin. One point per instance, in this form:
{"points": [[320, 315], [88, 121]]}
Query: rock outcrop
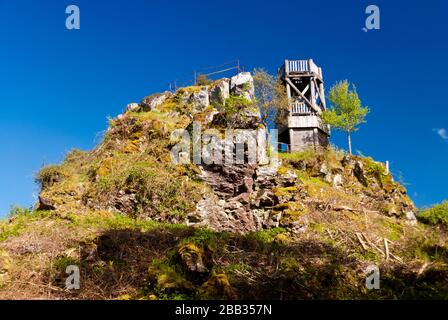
{"points": [[199, 99], [219, 92], [153, 101], [257, 193], [243, 85]]}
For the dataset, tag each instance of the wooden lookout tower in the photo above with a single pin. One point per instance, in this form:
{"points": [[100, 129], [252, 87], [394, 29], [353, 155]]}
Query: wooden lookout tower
{"points": [[302, 127]]}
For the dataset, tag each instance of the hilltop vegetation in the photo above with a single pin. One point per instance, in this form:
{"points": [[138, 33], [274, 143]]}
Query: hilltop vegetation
{"points": [[141, 227]]}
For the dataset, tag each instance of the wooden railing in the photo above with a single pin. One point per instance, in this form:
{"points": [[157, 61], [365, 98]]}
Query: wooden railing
{"points": [[299, 107], [299, 66]]}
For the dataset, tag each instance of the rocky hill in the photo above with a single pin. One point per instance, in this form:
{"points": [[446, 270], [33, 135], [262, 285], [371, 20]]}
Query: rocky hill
{"points": [[139, 226]]}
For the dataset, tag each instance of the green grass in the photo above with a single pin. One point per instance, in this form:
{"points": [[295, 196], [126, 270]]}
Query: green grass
{"points": [[116, 221], [18, 220], [50, 175], [266, 236], [436, 215], [298, 156]]}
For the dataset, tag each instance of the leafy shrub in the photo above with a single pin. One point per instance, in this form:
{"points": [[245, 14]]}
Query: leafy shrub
{"points": [[203, 80], [75, 155], [49, 176], [157, 192], [437, 215], [17, 211], [299, 156], [375, 168], [233, 104], [233, 114]]}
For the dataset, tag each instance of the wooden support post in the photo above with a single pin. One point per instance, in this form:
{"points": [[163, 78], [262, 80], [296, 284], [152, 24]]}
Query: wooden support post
{"points": [[306, 89], [288, 93], [313, 93], [291, 138], [322, 97], [316, 138]]}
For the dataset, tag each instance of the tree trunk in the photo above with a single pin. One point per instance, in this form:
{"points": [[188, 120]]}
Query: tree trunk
{"points": [[349, 142]]}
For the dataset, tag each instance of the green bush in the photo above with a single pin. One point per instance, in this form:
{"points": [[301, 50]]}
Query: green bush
{"points": [[49, 176], [299, 156], [436, 215], [202, 80], [157, 191], [374, 168]]}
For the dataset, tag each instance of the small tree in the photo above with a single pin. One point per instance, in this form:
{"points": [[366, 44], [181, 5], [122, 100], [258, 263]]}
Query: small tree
{"points": [[346, 111], [202, 80], [270, 96]]}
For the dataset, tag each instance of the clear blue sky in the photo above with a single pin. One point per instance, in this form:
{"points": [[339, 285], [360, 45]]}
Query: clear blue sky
{"points": [[58, 86]]}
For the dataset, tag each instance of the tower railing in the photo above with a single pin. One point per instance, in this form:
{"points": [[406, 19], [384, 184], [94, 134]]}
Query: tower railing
{"points": [[300, 108], [299, 66]]}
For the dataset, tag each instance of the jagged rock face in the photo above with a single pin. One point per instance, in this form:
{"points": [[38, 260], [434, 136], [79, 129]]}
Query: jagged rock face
{"points": [[359, 173], [219, 92], [243, 85], [199, 100], [45, 204], [230, 215], [131, 107], [249, 198], [243, 197], [229, 181], [152, 102]]}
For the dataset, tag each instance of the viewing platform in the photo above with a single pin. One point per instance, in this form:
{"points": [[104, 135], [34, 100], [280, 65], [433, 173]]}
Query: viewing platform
{"points": [[300, 68]]}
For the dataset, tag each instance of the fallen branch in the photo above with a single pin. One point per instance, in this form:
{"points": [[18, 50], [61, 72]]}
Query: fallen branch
{"points": [[386, 248], [373, 246], [422, 269], [358, 235], [346, 208], [37, 285]]}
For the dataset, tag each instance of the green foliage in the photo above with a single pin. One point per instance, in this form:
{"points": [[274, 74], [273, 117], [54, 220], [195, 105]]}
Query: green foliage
{"points": [[270, 96], [234, 104], [437, 215], [206, 237], [266, 236], [305, 155], [346, 111], [233, 107], [157, 191], [202, 80], [75, 155], [374, 168], [62, 262], [21, 219], [50, 175], [18, 211]]}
